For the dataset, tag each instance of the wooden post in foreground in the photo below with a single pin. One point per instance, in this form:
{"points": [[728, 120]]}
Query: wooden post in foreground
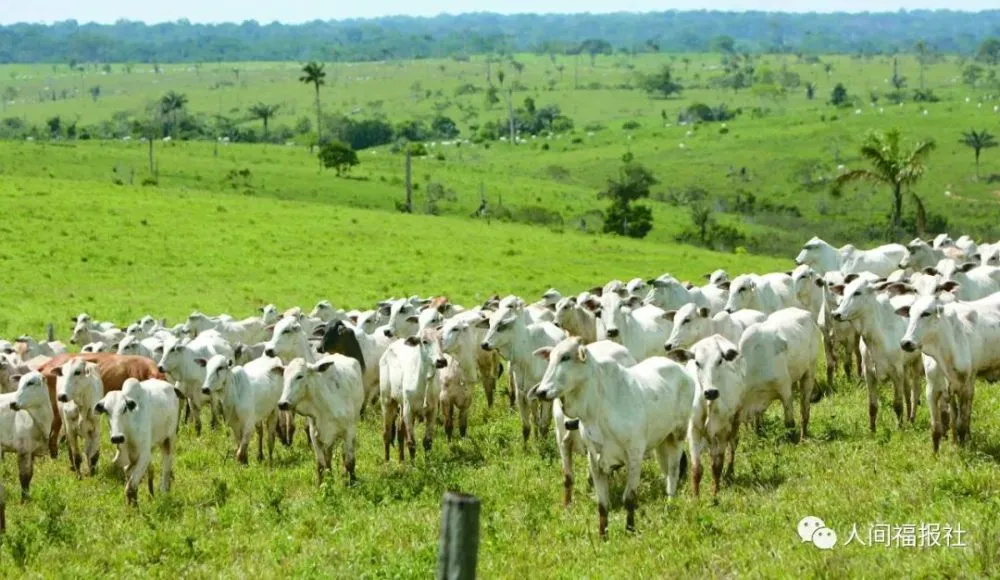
{"points": [[409, 182], [50, 332], [459, 547]]}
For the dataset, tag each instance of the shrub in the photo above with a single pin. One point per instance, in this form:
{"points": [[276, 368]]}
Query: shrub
{"points": [[631, 125], [339, 156]]}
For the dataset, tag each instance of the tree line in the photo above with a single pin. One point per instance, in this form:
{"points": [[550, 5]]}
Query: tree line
{"points": [[400, 37]]}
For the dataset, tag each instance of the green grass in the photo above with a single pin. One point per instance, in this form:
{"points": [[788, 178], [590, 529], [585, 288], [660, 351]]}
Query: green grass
{"points": [[77, 241], [796, 137]]}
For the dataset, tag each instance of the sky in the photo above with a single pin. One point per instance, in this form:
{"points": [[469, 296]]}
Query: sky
{"points": [[107, 11]]}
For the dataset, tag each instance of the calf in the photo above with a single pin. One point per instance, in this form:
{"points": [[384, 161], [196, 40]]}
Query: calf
{"points": [[623, 413], [365, 347], [576, 319], [408, 387], [715, 418], [78, 388], [330, 393], [692, 323], [30, 348], [25, 422], [249, 395], [143, 415], [461, 338], [149, 347], [961, 337], [883, 358], [511, 333], [179, 364], [768, 293]]}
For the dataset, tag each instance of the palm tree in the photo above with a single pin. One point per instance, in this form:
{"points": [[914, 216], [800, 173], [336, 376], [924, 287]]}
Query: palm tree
{"points": [[891, 166], [264, 113], [313, 74], [978, 141], [170, 104]]}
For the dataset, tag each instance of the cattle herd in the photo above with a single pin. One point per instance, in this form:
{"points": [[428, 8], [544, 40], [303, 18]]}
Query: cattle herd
{"points": [[622, 369]]}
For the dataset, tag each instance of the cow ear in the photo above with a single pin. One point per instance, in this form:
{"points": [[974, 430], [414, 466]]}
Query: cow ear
{"points": [[56, 371], [238, 349], [413, 318], [687, 284], [543, 353], [278, 369], [723, 285], [412, 341], [323, 366], [15, 378], [99, 408], [949, 286], [931, 271], [680, 355], [634, 302], [180, 396], [319, 331], [592, 304], [669, 314], [730, 354], [704, 312], [130, 404], [850, 278], [201, 362], [967, 266], [837, 289], [897, 288], [788, 272], [93, 370], [229, 363], [707, 276], [483, 323], [353, 318], [597, 290], [903, 311], [269, 328]]}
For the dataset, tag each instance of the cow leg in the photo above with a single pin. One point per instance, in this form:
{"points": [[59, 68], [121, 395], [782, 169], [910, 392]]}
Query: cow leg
{"points": [[965, 409], [512, 386], [349, 459], [388, 426], [831, 359], [870, 383], [3, 509], [899, 400], [168, 465], [696, 445], [241, 450], [92, 447], [543, 418], [806, 384], [25, 469], [934, 406], [73, 450], [565, 444], [463, 420], [430, 421], [734, 442], [150, 475], [523, 411], [630, 498], [260, 441], [785, 394], [401, 438], [135, 475], [603, 495], [272, 425], [447, 410], [717, 450]]}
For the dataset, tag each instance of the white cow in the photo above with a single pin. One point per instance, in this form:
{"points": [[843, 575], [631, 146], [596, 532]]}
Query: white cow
{"points": [[461, 338], [693, 323], [717, 277], [249, 395], [179, 363], [961, 337], [325, 311], [33, 348], [149, 347], [642, 329], [775, 356], [330, 393], [25, 422], [512, 334], [624, 412], [825, 258], [248, 331], [409, 390], [768, 293], [576, 319], [670, 294], [84, 334], [920, 255], [78, 388], [882, 356], [143, 415], [715, 417]]}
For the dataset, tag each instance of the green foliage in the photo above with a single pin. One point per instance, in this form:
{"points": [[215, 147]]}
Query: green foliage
{"points": [[444, 127], [977, 141], [660, 84], [989, 51], [624, 217], [839, 96], [339, 156]]}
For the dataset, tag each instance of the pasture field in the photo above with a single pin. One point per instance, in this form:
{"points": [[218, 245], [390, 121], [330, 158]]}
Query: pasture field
{"points": [[75, 242], [790, 146]]}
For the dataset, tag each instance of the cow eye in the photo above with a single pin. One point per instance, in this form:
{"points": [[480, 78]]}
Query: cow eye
{"points": [[925, 314], [78, 372], [697, 364], [743, 289], [565, 358], [426, 341], [685, 321]]}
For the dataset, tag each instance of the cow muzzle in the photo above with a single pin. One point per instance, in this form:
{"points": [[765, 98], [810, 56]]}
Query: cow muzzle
{"points": [[162, 369], [838, 316], [909, 345], [711, 394], [63, 398], [669, 346], [269, 352], [613, 333], [14, 406], [284, 406], [117, 439], [441, 363], [486, 346], [206, 392], [729, 310], [387, 332]]}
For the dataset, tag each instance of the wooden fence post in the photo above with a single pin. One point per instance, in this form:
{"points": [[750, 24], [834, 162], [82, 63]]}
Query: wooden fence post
{"points": [[50, 332], [459, 547], [409, 182]]}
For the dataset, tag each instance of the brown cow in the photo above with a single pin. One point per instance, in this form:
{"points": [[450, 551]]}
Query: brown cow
{"points": [[114, 369]]}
